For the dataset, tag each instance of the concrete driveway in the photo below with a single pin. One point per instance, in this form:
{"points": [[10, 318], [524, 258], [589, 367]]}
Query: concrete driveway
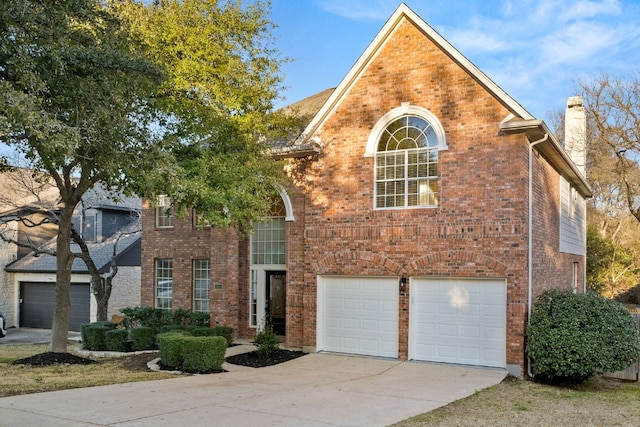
{"points": [[314, 390], [32, 336]]}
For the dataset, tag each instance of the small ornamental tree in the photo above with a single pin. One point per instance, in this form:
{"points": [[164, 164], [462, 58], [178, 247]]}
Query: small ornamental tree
{"points": [[572, 337]]}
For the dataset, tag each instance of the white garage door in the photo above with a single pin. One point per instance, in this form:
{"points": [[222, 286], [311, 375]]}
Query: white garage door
{"points": [[458, 321], [358, 315]]}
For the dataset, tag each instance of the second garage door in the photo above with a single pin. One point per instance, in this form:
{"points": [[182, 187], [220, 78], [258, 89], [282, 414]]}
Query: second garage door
{"points": [[38, 301], [358, 315], [458, 321]]}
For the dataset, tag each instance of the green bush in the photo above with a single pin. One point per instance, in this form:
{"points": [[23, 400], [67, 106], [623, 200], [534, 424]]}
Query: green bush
{"points": [[170, 349], [202, 354], [156, 318], [575, 336], [93, 335], [224, 331], [267, 341], [199, 331], [142, 338], [115, 339], [172, 328]]}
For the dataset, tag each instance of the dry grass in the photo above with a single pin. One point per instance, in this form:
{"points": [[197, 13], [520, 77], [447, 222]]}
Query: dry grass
{"points": [[22, 379], [598, 402]]}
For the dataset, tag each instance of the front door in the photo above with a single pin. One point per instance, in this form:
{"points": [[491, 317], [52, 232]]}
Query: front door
{"points": [[276, 301]]}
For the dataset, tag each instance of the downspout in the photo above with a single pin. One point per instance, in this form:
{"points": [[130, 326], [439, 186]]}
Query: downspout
{"points": [[530, 238]]}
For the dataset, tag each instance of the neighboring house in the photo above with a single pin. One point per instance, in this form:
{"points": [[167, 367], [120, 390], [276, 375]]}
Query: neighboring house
{"points": [[28, 285], [426, 210]]}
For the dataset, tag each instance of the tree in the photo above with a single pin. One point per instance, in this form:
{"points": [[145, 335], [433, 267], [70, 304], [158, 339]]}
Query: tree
{"points": [[611, 267], [217, 101], [172, 97], [74, 101], [613, 111]]}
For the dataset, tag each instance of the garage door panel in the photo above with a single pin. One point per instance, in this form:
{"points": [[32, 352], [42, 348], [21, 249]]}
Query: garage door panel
{"points": [[359, 315], [467, 326], [38, 302]]}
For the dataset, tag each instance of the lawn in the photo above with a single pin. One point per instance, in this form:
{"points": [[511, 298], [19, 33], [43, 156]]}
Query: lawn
{"points": [[597, 402], [25, 379]]}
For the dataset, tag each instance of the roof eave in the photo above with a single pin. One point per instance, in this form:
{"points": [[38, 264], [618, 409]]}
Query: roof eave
{"points": [[536, 130]]}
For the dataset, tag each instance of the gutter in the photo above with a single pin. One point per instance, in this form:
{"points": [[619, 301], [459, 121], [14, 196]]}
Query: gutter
{"points": [[530, 240]]}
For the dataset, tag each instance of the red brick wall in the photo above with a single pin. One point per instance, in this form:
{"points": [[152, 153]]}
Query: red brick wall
{"points": [[184, 243], [479, 227]]}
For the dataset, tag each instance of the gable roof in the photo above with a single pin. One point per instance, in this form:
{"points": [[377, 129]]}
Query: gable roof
{"points": [[518, 121]]}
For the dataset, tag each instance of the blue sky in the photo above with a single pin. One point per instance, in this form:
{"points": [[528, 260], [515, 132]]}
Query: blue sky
{"points": [[536, 51]]}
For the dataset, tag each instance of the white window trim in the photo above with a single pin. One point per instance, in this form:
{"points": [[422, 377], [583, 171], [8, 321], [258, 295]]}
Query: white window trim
{"points": [[403, 110]]}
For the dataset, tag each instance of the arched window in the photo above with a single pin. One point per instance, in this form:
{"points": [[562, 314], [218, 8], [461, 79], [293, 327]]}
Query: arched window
{"points": [[406, 163]]}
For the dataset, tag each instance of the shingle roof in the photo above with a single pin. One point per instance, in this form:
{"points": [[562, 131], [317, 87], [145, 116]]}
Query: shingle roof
{"points": [[100, 253], [306, 109]]}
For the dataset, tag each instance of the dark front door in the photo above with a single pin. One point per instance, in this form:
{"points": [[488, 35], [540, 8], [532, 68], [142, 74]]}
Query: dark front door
{"points": [[276, 301]]}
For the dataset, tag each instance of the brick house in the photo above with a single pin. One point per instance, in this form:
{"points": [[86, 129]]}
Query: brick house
{"points": [[426, 210]]}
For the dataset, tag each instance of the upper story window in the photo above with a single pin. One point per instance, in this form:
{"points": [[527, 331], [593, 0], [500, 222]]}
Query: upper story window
{"points": [[405, 143]]}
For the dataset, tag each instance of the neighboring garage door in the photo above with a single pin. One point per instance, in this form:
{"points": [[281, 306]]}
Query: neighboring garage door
{"points": [[458, 321], [37, 304], [358, 315]]}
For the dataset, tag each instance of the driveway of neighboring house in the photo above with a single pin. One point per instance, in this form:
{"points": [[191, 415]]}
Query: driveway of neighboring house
{"points": [[314, 390]]}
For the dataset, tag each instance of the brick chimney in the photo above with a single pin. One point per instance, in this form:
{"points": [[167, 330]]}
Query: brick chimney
{"points": [[575, 131]]}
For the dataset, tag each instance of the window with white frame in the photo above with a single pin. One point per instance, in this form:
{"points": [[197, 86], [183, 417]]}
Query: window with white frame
{"points": [[268, 241], [164, 283], [201, 285], [406, 164], [164, 217]]}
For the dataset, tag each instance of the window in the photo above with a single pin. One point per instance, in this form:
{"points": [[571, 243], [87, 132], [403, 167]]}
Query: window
{"points": [[164, 217], [269, 237], [164, 283], [201, 285], [406, 171], [253, 299]]}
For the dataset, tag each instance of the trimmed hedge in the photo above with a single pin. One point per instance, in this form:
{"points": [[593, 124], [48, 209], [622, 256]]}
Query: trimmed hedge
{"points": [[575, 336], [203, 354], [142, 338], [224, 331], [116, 339], [194, 354], [170, 346], [93, 335]]}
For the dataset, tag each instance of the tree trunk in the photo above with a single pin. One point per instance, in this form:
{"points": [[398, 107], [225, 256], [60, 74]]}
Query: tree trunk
{"points": [[64, 261]]}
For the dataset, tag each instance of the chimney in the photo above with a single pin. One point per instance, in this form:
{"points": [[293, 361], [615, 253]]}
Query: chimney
{"points": [[575, 132]]}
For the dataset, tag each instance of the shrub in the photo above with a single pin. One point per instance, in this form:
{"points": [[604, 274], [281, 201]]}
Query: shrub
{"points": [[202, 354], [115, 339], [170, 349], [199, 331], [267, 341], [224, 331], [93, 335], [172, 328], [573, 337], [143, 338], [157, 318]]}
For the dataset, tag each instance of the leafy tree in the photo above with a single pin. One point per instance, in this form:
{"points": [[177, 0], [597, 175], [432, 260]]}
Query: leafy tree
{"points": [[216, 103], [170, 97], [74, 101], [611, 268]]}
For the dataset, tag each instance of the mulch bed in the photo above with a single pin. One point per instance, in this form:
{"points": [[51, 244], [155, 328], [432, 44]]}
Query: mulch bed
{"points": [[138, 362], [254, 360], [51, 358]]}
